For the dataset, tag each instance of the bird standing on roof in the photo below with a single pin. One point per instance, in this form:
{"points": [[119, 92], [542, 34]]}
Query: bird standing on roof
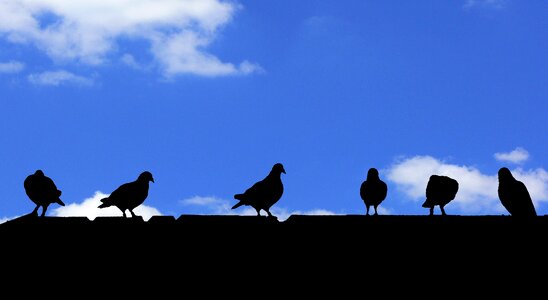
{"points": [[440, 191], [265, 193], [129, 195], [514, 196], [373, 190], [42, 191]]}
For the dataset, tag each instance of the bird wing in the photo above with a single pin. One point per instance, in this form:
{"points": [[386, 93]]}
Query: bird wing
{"points": [[30, 186], [256, 191], [383, 189], [522, 194], [122, 192], [50, 188], [363, 190]]}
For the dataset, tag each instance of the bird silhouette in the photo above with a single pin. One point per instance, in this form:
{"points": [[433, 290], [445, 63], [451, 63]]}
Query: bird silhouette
{"points": [[129, 195], [263, 194], [42, 191], [440, 191], [514, 196], [373, 190]]}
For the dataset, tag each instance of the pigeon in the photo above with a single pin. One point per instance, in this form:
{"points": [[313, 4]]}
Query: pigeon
{"points": [[440, 191], [42, 191], [263, 194], [514, 196], [373, 190], [129, 195]]}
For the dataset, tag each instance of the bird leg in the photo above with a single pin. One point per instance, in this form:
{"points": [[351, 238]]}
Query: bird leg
{"points": [[432, 210], [443, 211], [124, 213], [375, 207], [35, 211], [258, 212], [132, 213], [44, 208], [268, 212], [367, 211]]}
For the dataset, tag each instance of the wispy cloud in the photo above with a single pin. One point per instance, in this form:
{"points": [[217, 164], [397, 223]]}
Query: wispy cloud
{"points": [[496, 4], [60, 77], [178, 32], [516, 156], [130, 61], [89, 208], [5, 219], [217, 206], [11, 66], [477, 191]]}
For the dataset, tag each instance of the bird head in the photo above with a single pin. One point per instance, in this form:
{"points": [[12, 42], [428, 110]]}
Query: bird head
{"points": [[39, 173], [146, 176], [278, 168], [372, 174], [505, 174]]}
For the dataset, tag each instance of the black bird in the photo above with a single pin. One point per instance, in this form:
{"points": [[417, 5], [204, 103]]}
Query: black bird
{"points": [[440, 191], [373, 190], [263, 194], [129, 195], [42, 191], [514, 196]]}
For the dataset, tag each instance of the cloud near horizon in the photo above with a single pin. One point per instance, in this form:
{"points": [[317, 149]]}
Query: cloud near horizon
{"points": [[217, 206], [89, 208], [477, 191], [90, 31]]}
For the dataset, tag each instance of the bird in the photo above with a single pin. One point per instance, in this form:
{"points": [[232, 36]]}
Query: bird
{"points": [[42, 191], [514, 196], [265, 193], [373, 190], [129, 195], [440, 191]]}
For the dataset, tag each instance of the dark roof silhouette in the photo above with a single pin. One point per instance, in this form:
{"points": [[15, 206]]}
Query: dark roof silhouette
{"points": [[373, 190], [263, 194], [440, 191], [42, 191], [514, 196], [129, 195]]}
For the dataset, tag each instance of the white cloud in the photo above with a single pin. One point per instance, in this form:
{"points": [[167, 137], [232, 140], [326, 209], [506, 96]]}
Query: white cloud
{"points": [[56, 78], [217, 206], [477, 191], [11, 67], [497, 4], [88, 31], [516, 156], [5, 219], [130, 61], [89, 208]]}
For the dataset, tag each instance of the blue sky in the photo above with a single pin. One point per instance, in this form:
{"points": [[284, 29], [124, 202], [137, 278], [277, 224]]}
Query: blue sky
{"points": [[208, 95]]}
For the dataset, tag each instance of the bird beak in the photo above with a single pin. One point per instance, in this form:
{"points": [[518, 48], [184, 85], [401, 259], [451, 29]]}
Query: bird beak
{"points": [[283, 171], [152, 180]]}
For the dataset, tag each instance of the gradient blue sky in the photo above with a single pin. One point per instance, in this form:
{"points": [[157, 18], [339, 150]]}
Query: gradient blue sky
{"points": [[208, 96]]}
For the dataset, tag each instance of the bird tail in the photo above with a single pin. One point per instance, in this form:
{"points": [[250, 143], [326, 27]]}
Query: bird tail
{"points": [[105, 203], [238, 197]]}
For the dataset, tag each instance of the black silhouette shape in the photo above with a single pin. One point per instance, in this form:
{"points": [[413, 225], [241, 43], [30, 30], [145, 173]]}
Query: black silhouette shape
{"points": [[440, 191], [373, 190], [42, 191], [514, 196], [263, 194], [129, 195]]}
